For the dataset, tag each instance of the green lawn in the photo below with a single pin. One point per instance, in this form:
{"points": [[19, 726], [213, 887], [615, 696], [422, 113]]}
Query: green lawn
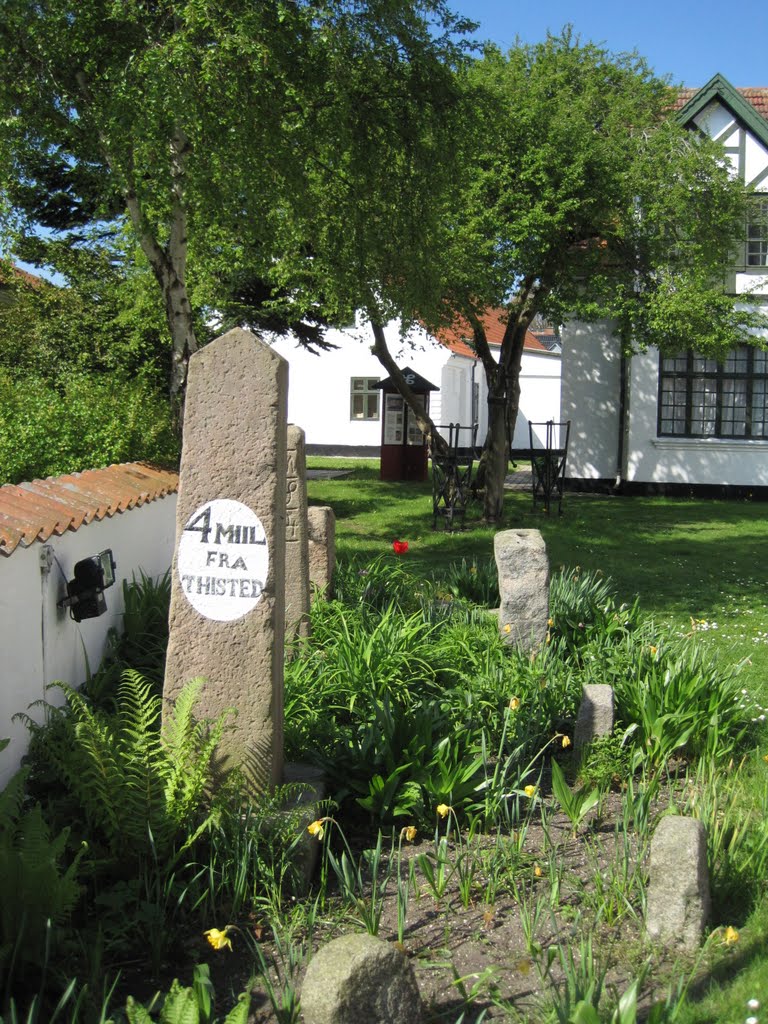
{"points": [[683, 558]]}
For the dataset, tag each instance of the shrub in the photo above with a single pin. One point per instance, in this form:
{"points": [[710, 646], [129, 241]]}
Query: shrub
{"points": [[84, 421]]}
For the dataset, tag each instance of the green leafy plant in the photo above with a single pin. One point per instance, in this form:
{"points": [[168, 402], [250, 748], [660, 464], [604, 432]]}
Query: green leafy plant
{"points": [[190, 1005], [576, 804], [38, 887]]}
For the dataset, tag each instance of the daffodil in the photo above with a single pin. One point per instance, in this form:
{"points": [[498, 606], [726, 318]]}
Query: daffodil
{"points": [[765, 758], [537, 871], [317, 828], [219, 939], [410, 833], [530, 791], [550, 623], [443, 810], [507, 628], [653, 650], [514, 704], [566, 741], [731, 936]]}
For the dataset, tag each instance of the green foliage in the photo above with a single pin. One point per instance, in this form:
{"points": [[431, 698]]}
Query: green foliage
{"points": [[84, 420], [193, 1005], [575, 804], [474, 581], [142, 643], [401, 712], [675, 698], [584, 616], [733, 806], [606, 761], [38, 890], [134, 790]]}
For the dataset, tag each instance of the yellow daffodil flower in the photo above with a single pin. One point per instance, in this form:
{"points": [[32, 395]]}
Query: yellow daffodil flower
{"points": [[653, 650], [219, 939], [530, 791], [765, 758], [317, 828], [514, 704], [537, 871], [550, 623], [410, 833], [443, 810], [507, 628], [730, 936], [566, 742]]}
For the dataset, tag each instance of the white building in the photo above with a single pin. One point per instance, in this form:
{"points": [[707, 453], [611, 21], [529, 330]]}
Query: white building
{"points": [[332, 394], [676, 423]]}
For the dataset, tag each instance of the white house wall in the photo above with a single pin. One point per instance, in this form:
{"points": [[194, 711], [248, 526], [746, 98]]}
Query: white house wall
{"points": [[41, 644], [319, 386], [683, 460], [590, 388]]}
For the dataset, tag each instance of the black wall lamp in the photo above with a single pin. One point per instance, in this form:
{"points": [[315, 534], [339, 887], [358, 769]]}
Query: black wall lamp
{"points": [[85, 591]]}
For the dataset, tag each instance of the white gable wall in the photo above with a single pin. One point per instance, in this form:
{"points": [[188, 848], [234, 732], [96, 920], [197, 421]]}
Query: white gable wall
{"points": [[590, 393]]}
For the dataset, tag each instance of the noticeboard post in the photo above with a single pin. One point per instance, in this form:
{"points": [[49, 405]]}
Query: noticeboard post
{"points": [[403, 446]]}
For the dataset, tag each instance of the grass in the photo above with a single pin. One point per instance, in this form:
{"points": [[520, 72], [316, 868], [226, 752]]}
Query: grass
{"points": [[685, 558]]}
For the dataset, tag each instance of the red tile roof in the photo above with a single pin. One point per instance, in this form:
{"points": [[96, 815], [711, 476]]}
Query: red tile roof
{"points": [[456, 337], [757, 96], [34, 511], [23, 276]]}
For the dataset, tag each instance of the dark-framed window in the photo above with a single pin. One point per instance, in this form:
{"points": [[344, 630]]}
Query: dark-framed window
{"points": [[699, 397], [363, 398], [756, 253]]}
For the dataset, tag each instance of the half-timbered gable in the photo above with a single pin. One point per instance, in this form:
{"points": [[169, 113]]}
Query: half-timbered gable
{"points": [[682, 421]]}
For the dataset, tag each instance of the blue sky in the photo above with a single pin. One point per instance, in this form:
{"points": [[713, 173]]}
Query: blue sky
{"points": [[689, 41]]}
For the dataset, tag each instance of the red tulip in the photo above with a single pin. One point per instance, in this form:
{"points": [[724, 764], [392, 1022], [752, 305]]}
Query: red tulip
{"points": [[400, 546]]}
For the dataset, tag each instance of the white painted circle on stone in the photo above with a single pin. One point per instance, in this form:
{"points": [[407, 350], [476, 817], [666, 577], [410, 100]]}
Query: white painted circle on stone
{"points": [[223, 560]]}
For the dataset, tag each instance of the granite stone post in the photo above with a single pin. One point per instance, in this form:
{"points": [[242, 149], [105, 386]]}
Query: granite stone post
{"points": [[595, 715], [296, 538], [678, 899], [322, 547], [360, 978], [227, 618], [523, 567]]}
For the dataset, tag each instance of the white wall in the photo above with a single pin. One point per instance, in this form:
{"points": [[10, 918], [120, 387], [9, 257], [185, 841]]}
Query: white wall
{"points": [[40, 642], [319, 385], [683, 460], [318, 389], [591, 369]]}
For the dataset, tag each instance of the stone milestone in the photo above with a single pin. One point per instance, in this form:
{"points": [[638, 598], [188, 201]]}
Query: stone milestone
{"points": [[523, 567], [322, 547], [595, 716], [678, 899], [360, 979], [227, 618], [296, 538]]}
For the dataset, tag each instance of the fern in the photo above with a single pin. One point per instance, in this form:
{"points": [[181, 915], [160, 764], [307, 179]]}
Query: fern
{"points": [[34, 890]]}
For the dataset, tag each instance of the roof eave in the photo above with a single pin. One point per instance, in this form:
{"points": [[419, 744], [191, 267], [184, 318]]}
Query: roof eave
{"points": [[718, 87]]}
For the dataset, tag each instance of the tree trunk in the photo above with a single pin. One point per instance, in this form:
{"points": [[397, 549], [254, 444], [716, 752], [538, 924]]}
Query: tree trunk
{"points": [[426, 426], [495, 458]]}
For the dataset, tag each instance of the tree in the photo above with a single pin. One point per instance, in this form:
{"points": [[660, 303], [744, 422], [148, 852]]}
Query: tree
{"points": [[277, 139], [583, 198], [82, 367]]}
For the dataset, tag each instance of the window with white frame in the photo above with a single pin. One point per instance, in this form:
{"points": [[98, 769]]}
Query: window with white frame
{"points": [[699, 397], [364, 398], [757, 234]]}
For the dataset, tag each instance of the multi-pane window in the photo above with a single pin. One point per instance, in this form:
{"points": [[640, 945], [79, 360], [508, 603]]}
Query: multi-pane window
{"points": [[757, 234], [364, 398], [699, 397]]}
